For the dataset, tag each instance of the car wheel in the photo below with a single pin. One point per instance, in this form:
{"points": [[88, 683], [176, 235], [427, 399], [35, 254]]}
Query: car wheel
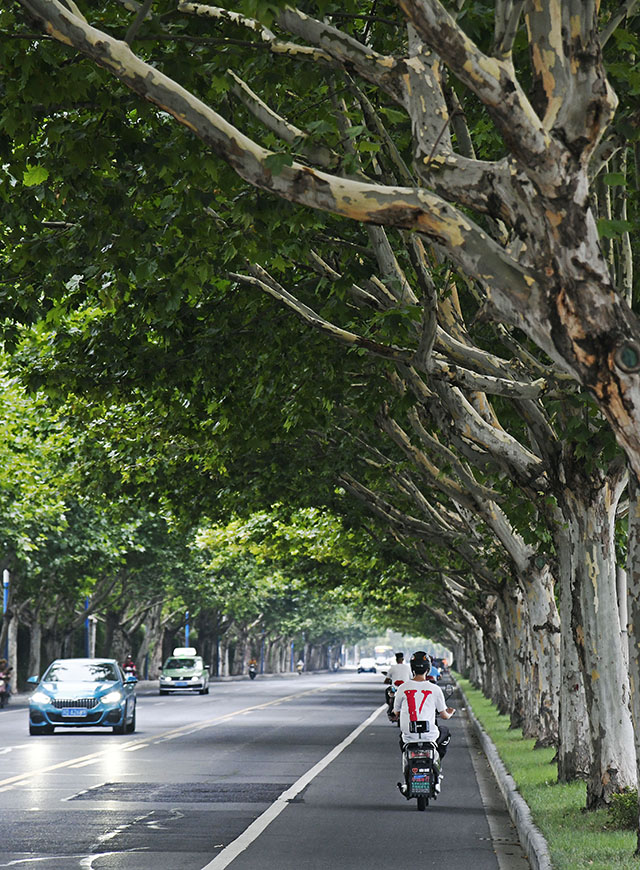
{"points": [[204, 691], [40, 729], [120, 729], [423, 802], [163, 692], [131, 727]]}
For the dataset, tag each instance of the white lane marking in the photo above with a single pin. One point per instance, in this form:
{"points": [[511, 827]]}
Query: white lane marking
{"points": [[85, 763], [167, 735], [237, 846], [135, 748], [7, 749], [103, 838]]}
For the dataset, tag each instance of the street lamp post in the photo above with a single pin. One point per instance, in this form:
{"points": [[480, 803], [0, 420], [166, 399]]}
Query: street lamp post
{"points": [[87, 631]]}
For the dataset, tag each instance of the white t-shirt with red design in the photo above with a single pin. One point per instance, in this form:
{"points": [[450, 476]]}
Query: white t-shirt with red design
{"points": [[419, 700], [399, 673]]}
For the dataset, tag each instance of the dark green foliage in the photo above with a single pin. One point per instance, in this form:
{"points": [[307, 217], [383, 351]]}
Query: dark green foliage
{"points": [[623, 811]]}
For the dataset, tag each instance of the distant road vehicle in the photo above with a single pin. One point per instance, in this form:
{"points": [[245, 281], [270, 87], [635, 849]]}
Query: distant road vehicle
{"points": [[184, 671], [367, 665], [83, 693]]}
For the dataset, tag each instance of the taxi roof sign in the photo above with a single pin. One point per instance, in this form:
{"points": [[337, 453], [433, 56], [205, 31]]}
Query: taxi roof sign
{"points": [[184, 651]]}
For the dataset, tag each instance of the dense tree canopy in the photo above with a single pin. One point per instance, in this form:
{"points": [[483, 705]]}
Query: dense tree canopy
{"points": [[452, 349]]}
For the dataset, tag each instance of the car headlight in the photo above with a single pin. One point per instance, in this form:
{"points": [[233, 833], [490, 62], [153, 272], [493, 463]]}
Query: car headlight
{"points": [[112, 697], [40, 698], [195, 679], [165, 679]]}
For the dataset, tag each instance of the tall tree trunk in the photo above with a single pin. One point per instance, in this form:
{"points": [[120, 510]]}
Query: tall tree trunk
{"points": [[12, 637], [633, 625], [545, 651], [574, 746], [152, 643], [224, 657], [515, 625], [496, 675], [35, 645], [590, 514]]}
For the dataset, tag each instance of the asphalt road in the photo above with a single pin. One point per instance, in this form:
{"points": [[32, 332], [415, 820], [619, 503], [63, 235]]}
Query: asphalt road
{"points": [[200, 786]]}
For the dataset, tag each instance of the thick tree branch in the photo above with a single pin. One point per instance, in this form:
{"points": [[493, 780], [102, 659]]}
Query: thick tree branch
{"points": [[265, 282], [507, 19], [493, 81], [408, 208], [291, 49], [284, 129]]}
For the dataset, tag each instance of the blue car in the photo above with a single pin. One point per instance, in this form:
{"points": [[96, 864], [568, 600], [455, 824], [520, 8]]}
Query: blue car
{"points": [[83, 693]]}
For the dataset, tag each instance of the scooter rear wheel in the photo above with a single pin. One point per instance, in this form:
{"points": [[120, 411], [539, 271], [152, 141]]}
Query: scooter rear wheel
{"points": [[423, 802]]}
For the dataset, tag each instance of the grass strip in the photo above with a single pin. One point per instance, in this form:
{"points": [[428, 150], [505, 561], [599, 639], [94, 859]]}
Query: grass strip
{"points": [[577, 839]]}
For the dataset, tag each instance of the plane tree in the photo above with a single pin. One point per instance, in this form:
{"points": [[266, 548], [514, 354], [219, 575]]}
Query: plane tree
{"points": [[533, 249]]}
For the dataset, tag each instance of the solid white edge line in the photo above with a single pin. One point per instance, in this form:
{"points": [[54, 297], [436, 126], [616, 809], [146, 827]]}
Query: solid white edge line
{"points": [[237, 846]]}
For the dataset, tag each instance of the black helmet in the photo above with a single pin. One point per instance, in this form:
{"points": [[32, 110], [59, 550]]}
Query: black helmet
{"points": [[399, 655], [420, 662]]}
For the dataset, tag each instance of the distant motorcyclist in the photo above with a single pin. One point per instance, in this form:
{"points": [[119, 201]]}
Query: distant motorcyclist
{"points": [[300, 666], [5, 684], [399, 672], [129, 666], [253, 668]]}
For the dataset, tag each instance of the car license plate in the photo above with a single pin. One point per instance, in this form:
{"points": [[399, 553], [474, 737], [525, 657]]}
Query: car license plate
{"points": [[74, 712], [181, 683]]}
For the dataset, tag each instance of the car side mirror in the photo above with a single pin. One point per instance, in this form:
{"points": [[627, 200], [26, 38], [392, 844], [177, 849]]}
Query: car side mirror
{"points": [[130, 679], [384, 672], [33, 680]]}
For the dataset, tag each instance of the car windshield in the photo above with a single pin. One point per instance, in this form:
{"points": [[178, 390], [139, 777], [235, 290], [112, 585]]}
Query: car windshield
{"points": [[179, 664], [81, 672]]}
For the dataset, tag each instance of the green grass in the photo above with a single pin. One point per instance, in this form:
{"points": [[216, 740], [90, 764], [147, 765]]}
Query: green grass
{"points": [[577, 839]]}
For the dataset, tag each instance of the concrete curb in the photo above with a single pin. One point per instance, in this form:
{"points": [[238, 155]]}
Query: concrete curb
{"points": [[532, 841]]}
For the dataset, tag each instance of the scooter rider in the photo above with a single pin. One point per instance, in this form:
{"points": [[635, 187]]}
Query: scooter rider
{"points": [[398, 673], [420, 700]]}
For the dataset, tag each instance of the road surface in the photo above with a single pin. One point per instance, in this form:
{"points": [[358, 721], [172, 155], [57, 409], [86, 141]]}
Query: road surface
{"points": [[295, 773]]}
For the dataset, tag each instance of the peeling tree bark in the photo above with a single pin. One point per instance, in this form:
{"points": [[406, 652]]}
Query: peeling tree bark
{"points": [[633, 600], [574, 747], [590, 516]]}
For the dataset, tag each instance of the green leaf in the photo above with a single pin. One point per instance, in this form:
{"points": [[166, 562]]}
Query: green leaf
{"points": [[615, 179], [34, 175], [277, 162], [373, 147], [613, 229]]}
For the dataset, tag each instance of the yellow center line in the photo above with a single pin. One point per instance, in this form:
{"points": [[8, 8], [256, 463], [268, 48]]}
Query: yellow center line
{"points": [[174, 732]]}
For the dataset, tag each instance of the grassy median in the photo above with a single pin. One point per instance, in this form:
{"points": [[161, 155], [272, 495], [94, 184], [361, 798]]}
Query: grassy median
{"points": [[576, 839]]}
